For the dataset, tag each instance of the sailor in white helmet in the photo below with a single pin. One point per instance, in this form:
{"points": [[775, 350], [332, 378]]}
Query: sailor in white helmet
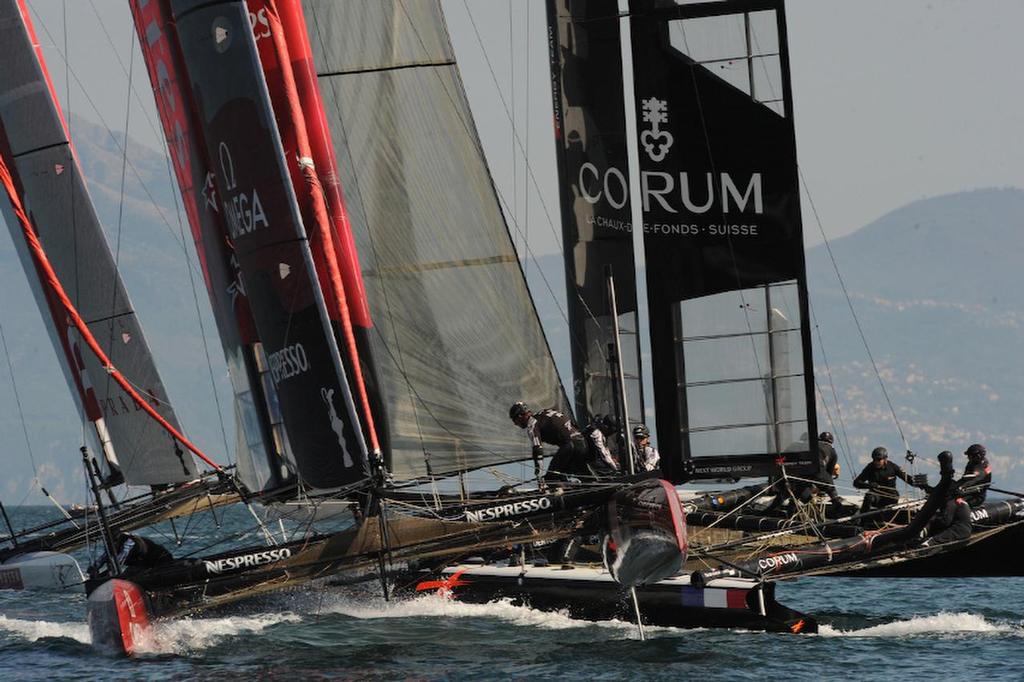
{"points": [[646, 453]]}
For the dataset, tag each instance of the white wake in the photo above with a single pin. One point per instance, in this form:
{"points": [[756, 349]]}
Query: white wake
{"points": [[182, 636], [946, 624], [434, 606], [33, 630]]}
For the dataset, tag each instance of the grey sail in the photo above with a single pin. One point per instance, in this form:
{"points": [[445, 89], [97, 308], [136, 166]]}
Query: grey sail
{"points": [[35, 146], [457, 336]]}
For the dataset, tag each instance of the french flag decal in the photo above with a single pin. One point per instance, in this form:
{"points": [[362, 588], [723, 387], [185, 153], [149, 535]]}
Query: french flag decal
{"points": [[714, 598]]}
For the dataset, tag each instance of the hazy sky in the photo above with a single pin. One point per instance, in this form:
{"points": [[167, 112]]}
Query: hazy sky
{"points": [[894, 101]]}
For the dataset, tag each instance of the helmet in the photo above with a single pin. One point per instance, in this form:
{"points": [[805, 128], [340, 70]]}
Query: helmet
{"points": [[641, 431], [827, 437], [517, 410], [879, 453], [976, 450]]}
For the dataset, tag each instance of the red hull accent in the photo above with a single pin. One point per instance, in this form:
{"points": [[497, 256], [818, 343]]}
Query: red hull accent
{"points": [[118, 616]]}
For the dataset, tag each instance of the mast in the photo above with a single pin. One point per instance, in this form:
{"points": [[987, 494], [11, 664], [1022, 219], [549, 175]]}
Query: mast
{"points": [[46, 179]]}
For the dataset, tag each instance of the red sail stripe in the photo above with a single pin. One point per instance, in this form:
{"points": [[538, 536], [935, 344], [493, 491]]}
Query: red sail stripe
{"points": [[313, 194], [319, 134], [49, 279]]}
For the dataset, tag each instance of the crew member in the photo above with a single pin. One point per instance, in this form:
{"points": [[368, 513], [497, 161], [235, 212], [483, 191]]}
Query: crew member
{"points": [[134, 553], [647, 453], [828, 469], [977, 475], [951, 523], [602, 458], [554, 428], [879, 478]]}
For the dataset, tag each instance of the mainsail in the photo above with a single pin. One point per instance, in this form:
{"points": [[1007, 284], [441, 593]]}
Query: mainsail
{"points": [[726, 282], [457, 337], [36, 149], [590, 142]]}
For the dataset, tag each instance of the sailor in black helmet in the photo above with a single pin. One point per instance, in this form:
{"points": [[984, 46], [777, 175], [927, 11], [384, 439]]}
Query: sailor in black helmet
{"points": [[953, 521], [977, 475], [554, 428], [828, 470], [647, 453], [879, 479]]}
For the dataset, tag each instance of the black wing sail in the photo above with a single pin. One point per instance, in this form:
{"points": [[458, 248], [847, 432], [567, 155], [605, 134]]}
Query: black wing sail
{"points": [[256, 195], [590, 144], [726, 281]]}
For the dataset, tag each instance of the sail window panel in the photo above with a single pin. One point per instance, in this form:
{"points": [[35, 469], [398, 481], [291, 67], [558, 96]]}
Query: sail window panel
{"points": [[743, 440], [741, 49], [729, 312], [726, 358], [790, 401], [787, 354], [785, 302], [735, 402]]}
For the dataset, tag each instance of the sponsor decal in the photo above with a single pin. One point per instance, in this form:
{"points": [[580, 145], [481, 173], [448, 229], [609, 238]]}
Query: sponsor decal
{"points": [[979, 514], [337, 425], [242, 207], [724, 469], [222, 34], [288, 362], [260, 24], [503, 511], [655, 141], [770, 563], [695, 194], [247, 560]]}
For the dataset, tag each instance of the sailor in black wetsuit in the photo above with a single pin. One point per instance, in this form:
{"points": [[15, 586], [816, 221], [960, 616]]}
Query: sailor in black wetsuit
{"points": [[879, 479], [828, 469], [951, 523], [554, 428], [977, 475]]}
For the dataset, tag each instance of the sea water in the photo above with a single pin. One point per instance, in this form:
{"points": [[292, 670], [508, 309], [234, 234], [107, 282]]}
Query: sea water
{"points": [[871, 629]]}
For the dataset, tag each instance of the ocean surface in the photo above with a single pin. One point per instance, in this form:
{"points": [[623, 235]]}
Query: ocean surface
{"points": [[872, 629]]}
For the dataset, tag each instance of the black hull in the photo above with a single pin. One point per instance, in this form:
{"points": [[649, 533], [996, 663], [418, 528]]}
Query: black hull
{"points": [[589, 593], [992, 553]]}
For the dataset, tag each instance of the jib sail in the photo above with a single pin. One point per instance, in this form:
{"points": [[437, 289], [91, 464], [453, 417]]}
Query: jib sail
{"points": [[726, 281], [590, 142], [264, 224], [37, 151], [457, 336]]}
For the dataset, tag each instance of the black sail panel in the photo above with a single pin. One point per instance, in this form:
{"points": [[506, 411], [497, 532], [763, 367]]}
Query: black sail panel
{"points": [[590, 143], [255, 193], [722, 237]]}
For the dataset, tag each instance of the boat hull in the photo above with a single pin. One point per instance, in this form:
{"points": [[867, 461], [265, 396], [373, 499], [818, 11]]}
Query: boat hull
{"points": [[40, 571], [118, 617], [590, 593]]}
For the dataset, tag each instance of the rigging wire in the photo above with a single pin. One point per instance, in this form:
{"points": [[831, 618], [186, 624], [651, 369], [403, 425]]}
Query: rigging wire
{"points": [[853, 312], [21, 411]]}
